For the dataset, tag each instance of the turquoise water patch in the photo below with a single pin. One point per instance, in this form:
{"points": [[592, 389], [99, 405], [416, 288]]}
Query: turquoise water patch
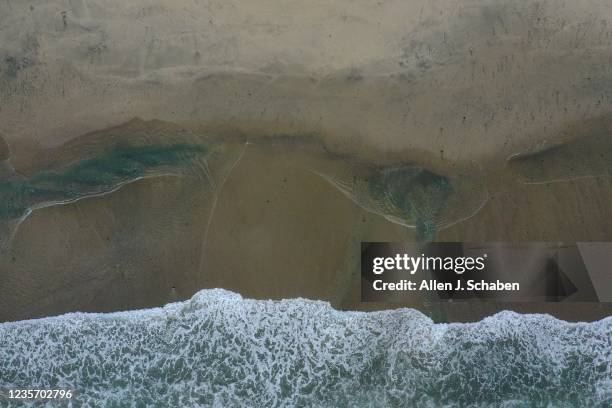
{"points": [[220, 350], [93, 176]]}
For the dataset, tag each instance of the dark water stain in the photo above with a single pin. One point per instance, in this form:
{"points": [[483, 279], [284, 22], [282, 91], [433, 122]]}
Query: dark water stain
{"points": [[417, 193], [581, 158], [13, 65]]}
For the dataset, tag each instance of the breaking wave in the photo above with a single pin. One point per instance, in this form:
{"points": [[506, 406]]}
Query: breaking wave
{"points": [[218, 349]]}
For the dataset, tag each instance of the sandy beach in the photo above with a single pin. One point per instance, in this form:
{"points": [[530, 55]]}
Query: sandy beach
{"points": [[461, 82], [478, 91], [274, 229]]}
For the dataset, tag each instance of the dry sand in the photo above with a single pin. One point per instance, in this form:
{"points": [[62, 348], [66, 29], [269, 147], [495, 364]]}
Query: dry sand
{"points": [[465, 81]]}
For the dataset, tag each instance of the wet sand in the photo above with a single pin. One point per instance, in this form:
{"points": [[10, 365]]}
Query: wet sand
{"points": [[274, 229]]}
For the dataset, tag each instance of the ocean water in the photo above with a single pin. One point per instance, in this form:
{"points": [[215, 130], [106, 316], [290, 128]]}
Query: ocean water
{"points": [[218, 349]]}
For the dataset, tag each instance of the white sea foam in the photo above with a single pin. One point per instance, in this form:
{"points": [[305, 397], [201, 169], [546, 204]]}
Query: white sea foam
{"points": [[219, 349]]}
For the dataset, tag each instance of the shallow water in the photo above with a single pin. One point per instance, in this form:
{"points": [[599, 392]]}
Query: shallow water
{"points": [[218, 349], [90, 177], [412, 196]]}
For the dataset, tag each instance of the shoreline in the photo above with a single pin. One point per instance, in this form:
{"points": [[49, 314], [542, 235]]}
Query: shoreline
{"points": [[271, 203], [522, 309]]}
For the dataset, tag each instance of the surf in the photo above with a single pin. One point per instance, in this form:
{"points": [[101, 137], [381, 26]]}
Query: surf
{"points": [[220, 349]]}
